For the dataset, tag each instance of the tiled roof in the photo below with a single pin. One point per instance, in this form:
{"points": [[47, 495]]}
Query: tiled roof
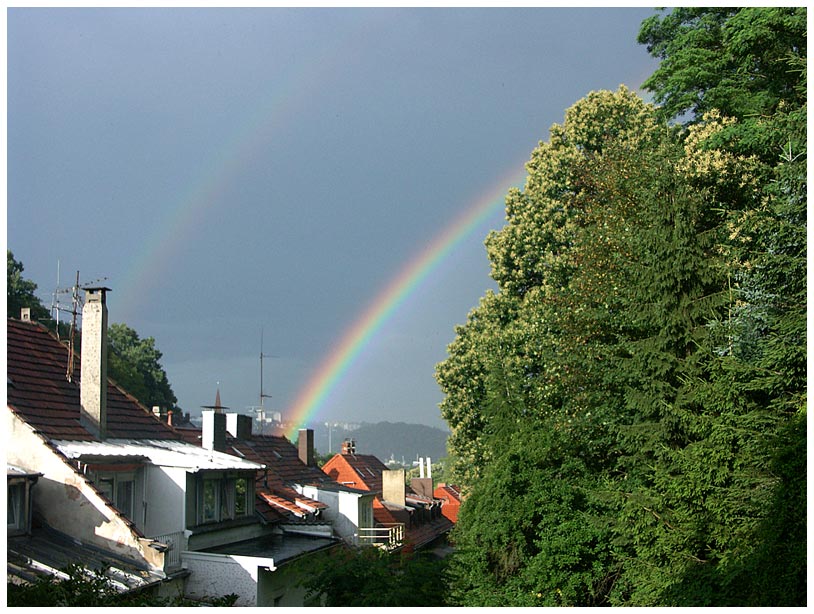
{"points": [[363, 471], [451, 497], [280, 456], [40, 394], [422, 534]]}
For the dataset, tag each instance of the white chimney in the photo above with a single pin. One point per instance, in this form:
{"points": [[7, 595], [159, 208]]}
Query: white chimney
{"points": [[429, 468], [239, 426], [93, 386], [25, 314], [421, 467], [213, 430]]}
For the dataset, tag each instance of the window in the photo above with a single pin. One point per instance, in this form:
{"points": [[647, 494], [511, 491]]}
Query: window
{"points": [[119, 488], [209, 505], [223, 498], [365, 513], [242, 501], [15, 507]]}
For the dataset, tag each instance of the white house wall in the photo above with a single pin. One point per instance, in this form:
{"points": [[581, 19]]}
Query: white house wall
{"points": [[217, 575], [165, 500], [66, 500]]}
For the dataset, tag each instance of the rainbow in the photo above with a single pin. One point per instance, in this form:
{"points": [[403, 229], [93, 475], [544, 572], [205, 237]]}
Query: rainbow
{"points": [[255, 129], [335, 366]]}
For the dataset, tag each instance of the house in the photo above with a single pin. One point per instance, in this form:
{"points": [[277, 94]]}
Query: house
{"points": [[113, 477], [451, 497], [291, 486], [395, 503]]}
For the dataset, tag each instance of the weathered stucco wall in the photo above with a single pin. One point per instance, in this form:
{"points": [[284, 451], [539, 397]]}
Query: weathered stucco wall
{"points": [[65, 499]]}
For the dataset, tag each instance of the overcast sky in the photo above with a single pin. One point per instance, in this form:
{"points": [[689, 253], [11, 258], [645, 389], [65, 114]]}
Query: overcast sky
{"points": [[229, 172]]}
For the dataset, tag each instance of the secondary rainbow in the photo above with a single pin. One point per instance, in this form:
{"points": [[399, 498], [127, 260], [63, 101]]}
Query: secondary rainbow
{"points": [[330, 372]]}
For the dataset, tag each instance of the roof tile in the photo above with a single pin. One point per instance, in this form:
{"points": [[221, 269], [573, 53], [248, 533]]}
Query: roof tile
{"points": [[40, 394]]}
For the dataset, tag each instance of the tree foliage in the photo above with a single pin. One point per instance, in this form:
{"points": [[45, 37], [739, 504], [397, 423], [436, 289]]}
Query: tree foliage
{"points": [[628, 410], [370, 577], [20, 292], [135, 364], [82, 587]]}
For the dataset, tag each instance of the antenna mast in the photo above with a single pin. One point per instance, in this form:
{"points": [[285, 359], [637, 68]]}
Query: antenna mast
{"points": [[262, 395], [74, 312]]}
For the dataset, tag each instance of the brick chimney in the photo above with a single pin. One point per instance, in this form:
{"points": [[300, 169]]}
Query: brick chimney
{"points": [[213, 432], [305, 443], [348, 447], [93, 386]]}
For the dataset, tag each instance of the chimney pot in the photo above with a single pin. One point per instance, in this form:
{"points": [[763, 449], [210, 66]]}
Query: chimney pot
{"points": [[305, 445]]}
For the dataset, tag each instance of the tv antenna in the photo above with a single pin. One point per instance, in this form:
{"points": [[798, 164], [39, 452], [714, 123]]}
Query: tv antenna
{"points": [[261, 410], [76, 308]]}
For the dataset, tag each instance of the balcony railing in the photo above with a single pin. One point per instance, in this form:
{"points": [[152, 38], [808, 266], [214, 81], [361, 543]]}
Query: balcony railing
{"points": [[387, 536], [175, 544]]}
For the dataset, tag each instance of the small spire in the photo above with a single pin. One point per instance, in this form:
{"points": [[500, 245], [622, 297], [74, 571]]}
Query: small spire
{"points": [[217, 406]]}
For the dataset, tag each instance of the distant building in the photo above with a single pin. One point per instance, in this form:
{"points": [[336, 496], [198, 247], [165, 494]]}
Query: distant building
{"points": [[396, 506]]}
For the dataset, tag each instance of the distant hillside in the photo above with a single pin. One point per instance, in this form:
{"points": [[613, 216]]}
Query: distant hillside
{"points": [[386, 439]]}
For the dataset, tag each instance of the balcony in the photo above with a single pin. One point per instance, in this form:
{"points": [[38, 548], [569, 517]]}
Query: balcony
{"points": [[387, 536], [175, 543]]}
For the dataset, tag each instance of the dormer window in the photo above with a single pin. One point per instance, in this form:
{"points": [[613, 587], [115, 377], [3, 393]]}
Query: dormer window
{"points": [[120, 489], [223, 497]]}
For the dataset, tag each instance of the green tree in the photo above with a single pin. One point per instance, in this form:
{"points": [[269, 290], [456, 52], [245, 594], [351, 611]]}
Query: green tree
{"points": [[20, 292], [743, 62], [135, 364], [370, 577], [751, 64], [630, 397]]}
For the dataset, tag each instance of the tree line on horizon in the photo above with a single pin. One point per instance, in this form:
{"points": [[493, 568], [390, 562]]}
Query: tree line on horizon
{"points": [[628, 410]]}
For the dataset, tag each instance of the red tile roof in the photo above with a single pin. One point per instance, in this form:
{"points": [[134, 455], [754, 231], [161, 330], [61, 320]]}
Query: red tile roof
{"points": [[39, 393], [362, 471], [280, 456], [451, 497]]}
